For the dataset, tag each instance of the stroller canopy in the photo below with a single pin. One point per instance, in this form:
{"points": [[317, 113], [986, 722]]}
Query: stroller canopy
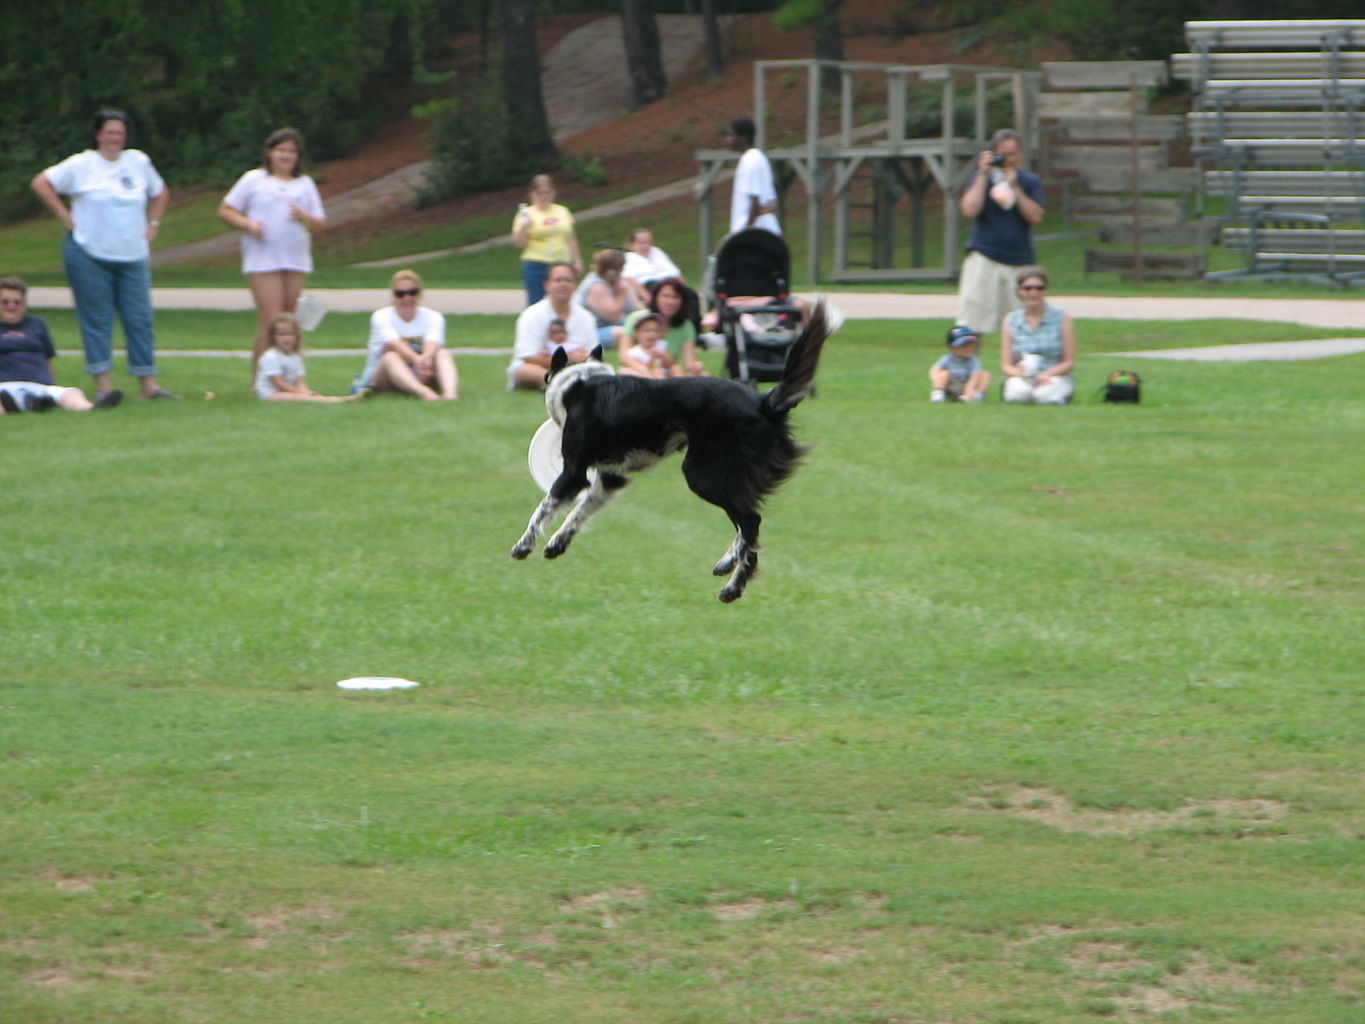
{"points": [[753, 262]]}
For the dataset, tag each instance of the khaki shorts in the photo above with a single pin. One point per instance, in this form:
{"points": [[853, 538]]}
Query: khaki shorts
{"points": [[985, 293]]}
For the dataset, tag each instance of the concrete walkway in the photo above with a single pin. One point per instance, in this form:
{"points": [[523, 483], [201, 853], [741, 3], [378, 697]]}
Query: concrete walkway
{"points": [[1331, 313], [1336, 313]]}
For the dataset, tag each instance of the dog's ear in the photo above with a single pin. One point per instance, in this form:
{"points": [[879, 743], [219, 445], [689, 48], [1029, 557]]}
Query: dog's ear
{"points": [[596, 354], [558, 361]]}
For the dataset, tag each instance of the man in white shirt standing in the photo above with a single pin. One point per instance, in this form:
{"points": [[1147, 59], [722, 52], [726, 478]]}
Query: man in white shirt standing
{"points": [[755, 196]]}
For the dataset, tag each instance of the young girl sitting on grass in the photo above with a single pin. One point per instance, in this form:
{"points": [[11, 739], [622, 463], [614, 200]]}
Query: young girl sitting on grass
{"points": [[647, 353], [279, 374]]}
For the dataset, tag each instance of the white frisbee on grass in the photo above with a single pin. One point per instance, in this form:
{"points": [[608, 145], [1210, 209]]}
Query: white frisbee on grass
{"points": [[377, 683], [309, 312], [546, 456]]}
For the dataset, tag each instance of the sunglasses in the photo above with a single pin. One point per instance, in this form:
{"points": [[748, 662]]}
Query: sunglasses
{"points": [[403, 293], [1033, 287]]}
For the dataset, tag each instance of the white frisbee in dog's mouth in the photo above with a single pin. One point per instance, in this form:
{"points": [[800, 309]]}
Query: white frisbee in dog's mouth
{"points": [[546, 456]]}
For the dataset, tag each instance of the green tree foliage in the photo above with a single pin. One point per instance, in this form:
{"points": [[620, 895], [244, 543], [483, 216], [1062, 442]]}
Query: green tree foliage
{"points": [[204, 82]]}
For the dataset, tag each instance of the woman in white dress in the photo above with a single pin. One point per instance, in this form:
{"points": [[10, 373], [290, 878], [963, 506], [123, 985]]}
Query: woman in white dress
{"points": [[278, 210]]}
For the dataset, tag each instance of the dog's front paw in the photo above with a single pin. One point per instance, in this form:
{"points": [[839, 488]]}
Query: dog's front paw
{"points": [[557, 546]]}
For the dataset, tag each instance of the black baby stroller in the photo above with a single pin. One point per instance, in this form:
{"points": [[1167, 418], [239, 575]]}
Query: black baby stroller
{"points": [[753, 304]]}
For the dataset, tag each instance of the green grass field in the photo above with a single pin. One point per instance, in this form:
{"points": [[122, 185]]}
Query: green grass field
{"points": [[1033, 716]]}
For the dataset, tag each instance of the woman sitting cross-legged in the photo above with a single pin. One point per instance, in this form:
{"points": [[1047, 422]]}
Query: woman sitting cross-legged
{"points": [[1037, 345], [407, 350]]}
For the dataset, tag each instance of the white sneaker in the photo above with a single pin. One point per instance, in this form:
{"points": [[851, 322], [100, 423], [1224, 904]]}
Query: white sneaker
{"points": [[937, 395]]}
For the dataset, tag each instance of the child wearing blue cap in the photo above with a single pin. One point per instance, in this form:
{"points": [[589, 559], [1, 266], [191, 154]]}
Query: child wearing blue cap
{"points": [[958, 376]]}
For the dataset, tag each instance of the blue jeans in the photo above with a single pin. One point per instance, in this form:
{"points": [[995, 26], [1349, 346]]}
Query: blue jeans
{"points": [[533, 274], [102, 288]]}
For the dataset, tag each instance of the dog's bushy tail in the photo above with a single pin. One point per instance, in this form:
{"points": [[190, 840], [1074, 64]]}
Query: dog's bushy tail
{"points": [[798, 376]]}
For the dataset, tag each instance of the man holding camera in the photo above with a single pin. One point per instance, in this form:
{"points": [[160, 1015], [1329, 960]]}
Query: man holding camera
{"points": [[1003, 204]]}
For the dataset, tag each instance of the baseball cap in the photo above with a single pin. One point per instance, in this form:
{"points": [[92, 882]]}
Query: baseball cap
{"points": [[960, 335], [634, 317]]}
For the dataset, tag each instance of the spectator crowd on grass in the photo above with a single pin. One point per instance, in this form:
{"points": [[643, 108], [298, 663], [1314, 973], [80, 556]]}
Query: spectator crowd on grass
{"points": [[633, 305]]}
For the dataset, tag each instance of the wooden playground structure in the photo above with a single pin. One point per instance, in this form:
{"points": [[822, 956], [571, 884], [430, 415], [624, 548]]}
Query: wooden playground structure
{"points": [[857, 156]]}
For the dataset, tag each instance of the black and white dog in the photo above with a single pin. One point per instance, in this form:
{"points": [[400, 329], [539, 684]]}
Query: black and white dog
{"points": [[739, 444]]}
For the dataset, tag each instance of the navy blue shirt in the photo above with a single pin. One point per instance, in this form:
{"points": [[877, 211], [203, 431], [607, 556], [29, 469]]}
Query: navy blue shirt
{"points": [[25, 349], [1003, 235]]}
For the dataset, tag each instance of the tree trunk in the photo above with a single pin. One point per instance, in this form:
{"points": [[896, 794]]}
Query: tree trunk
{"points": [[829, 44], [644, 61], [527, 126], [711, 31]]}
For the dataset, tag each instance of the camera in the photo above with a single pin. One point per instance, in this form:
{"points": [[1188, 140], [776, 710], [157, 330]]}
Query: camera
{"points": [[998, 159]]}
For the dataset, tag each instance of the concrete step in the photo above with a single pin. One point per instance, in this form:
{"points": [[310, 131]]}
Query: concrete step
{"points": [[1153, 264], [1150, 128], [1083, 104], [1152, 209], [1088, 163], [1184, 235], [1104, 74], [1109, 179]]}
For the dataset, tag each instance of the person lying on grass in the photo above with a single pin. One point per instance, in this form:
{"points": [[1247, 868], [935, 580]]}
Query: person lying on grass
{"points": [[26, 354]]}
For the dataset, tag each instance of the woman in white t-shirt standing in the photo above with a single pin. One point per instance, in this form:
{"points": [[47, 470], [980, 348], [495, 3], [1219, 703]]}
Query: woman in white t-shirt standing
{"points": [[278, 210], [117, 201], [407, 350]]}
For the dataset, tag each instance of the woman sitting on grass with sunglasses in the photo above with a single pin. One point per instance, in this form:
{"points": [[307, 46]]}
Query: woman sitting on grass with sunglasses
{"points": [[1037, 345], [407, 350]]}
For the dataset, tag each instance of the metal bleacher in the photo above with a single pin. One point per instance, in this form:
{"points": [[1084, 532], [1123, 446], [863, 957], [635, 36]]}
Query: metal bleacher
{"points": [[1275, 130]]}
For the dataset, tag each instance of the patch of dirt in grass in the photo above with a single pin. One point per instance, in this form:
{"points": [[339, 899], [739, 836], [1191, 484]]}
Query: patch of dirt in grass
{"points": [[1103, 958], [869, 903], [1196, 982], [1100, 959], [480, 950], [599, 900], [835, 954], [1054, 809], [1202, 974], [69, 883], [51, 977], [279, 923], [1143, 1000], [746, 910], [1041, 933]]}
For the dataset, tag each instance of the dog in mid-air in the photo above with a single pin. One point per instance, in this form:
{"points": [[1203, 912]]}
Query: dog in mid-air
{"points": [[739, 444]]}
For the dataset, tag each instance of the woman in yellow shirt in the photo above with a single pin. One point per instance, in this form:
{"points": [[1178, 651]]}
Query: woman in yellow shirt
{"points": [[543, 231]]}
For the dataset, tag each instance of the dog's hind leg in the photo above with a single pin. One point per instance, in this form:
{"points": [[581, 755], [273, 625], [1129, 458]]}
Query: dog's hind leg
{"points": [[728, 561], [746, 557], [714, 478], [603, 489]]}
